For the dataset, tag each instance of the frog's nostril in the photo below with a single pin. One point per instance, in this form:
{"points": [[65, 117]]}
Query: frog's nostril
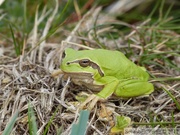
{"points": [[68, 63]]}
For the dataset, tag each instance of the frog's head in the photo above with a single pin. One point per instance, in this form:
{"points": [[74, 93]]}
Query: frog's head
{"points": [[80, 62]]}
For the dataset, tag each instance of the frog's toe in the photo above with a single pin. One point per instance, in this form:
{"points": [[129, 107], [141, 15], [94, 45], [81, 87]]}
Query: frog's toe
{"points": [[93, 102], [90, 102]]}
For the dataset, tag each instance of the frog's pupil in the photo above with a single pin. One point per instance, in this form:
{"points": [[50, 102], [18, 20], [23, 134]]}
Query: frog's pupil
{"points": [[85, 61]]}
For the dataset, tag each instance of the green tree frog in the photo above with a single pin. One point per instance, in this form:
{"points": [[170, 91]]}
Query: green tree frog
{"points": [[105, 71]]}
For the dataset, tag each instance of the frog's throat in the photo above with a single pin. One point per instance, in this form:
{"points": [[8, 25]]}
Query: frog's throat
{"points": [[83, 79]]}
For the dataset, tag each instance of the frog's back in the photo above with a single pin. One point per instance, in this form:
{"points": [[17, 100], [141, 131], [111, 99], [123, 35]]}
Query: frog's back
{"points": [[115, 63]]}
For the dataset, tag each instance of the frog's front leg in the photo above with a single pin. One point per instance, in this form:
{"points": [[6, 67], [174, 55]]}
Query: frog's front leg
{"points": [[133, 88], [110, 85]]}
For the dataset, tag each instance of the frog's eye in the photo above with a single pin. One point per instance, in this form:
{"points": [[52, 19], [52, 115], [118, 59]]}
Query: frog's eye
{"points": [[84, 63]]}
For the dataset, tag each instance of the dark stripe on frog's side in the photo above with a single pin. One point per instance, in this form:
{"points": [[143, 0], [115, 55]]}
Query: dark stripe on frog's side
{"points": [[90, 63]]}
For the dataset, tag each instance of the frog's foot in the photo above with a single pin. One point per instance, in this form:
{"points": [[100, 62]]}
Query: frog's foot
{"points": [[90, 102]]}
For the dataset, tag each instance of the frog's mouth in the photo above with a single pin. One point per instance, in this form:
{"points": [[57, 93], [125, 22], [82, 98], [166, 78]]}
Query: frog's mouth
{"points": [[83, 79], [76, 75]]}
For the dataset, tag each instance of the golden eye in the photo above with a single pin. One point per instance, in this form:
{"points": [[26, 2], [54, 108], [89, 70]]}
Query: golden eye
{"points": [[84, 63]]}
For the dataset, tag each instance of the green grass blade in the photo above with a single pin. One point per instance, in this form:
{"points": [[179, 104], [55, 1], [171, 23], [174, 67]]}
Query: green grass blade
{"points": [[168, 11], [10, 124], [64, 9], [32, 121], [173, 98], [16, 46], [50, 121], [25, 19], [154, 9], [173, 122], [63, 12], [80, 127]]}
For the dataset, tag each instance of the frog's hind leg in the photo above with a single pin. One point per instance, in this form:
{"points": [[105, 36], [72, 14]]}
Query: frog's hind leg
{"points": [[133, 88]]}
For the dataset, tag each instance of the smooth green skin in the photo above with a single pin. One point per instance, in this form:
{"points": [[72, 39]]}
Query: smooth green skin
{"points": [[121, 76]]}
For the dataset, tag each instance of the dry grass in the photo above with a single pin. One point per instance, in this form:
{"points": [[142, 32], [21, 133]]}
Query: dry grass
{"points": [[28, 78]]}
